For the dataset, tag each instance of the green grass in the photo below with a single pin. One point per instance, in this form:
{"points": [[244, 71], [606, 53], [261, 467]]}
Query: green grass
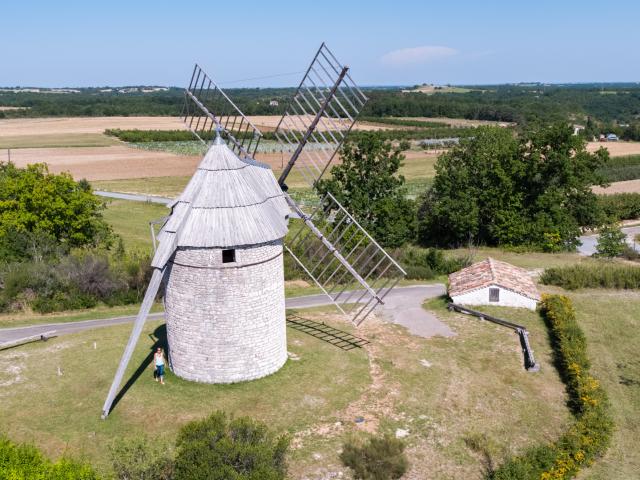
{"points": [[57, 140], [161, 186], [63, 413], [315, 399], [131, 220], [528, 260], [611, 321]]}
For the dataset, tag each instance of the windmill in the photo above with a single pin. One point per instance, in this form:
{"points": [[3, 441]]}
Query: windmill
{"points": [[220, 251]]}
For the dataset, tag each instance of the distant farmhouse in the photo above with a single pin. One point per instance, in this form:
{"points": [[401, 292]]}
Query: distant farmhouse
{"points": [[491, 282]]}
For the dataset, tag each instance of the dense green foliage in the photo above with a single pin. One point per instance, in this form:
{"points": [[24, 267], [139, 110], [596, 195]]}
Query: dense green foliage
{"points": [[620, 206], [426, 263], [25, 462], [38, 209], [379, 458], [140, 459], [217, 448], [82, 279], [496, 189], [619, 169], [368, 185], [589, 436], [524, 104], [605, 275], [611, 242]]}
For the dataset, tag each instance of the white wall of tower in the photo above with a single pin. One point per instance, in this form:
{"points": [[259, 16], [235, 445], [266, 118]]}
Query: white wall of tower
{"points": [[226, 321]]}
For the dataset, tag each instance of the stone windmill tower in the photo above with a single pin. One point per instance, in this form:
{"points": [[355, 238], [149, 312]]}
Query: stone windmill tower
{"points": [[220, 251]]}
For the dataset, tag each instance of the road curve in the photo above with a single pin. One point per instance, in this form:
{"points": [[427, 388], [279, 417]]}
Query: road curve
{"points": [[402, 306]]}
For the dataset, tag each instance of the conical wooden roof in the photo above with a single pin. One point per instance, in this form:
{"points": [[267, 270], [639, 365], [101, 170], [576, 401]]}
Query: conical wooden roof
{"points": [[229, 202]]}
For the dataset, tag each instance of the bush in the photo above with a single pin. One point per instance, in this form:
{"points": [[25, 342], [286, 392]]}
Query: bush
{"points": [[380, 458], [590, 435], [219, 448], [25, 462], [80, 280], [426, 263], [593, 276], [611, 242], [137, 459], [620, 206]]}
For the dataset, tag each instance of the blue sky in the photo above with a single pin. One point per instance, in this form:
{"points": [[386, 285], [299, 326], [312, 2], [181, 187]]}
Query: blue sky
{"points": [[396, 42]]}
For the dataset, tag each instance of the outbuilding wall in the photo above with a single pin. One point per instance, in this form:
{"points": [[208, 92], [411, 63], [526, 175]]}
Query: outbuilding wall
{"points": [[508, 298], [226, 321]]}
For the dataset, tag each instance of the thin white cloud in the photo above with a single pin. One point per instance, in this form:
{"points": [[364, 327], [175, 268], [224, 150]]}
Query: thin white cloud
{"points": [[416, 55]]}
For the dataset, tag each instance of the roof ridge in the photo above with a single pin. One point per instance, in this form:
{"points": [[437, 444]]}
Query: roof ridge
{"points": [[492, 268]]}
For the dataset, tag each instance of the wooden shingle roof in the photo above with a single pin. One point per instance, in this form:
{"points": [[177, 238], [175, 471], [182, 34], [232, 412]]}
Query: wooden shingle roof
{"points": [[492, 272], [229, 202]]}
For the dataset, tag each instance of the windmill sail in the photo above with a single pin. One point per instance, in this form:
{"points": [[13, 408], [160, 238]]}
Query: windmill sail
{"points": [[207, 108], [320, 115], [332, 248]]}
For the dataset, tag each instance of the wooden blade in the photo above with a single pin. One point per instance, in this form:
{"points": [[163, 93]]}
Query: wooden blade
{"points": [[343, 259], [321, 114], [149, 296], [207, 107]]}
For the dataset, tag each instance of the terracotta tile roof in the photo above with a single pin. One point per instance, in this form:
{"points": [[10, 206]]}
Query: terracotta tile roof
{"points": [[492, 272]]}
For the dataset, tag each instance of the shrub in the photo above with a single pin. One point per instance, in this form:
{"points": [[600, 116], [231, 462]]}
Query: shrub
{"points": [[25, 462], [380, 458], [593, 276], [137, 459], [611, 242], [620, 206], [426, 263], [590, 435], [219, 448]]}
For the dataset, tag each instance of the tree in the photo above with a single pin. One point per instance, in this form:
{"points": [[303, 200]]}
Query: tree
{"points": [[367, 184], [380, 458], [36, 206], [611, 242], [217, 448], [497, 189]]}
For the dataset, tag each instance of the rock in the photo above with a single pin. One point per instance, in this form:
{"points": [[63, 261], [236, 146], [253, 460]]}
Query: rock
{"points": [[425, 363], [401, 433]]}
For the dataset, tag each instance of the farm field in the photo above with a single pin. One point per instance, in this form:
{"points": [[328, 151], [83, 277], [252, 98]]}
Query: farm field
{"points": [[616, 149], [626, 186]]}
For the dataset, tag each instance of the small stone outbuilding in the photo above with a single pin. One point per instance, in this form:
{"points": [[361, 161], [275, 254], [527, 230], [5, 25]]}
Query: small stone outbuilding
{"points": [[491, 282]]}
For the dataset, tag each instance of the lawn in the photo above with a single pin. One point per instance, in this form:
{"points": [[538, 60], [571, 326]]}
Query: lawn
{"points": [[131, 220], [454, 396], [611, 322]]}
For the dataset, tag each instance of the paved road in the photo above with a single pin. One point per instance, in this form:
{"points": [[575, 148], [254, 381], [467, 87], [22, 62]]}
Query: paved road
{"points": [[402, 305], [589, 242], [134, 197]]}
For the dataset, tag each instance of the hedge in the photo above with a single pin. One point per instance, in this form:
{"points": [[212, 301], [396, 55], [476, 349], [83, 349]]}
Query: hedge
{"points": [[593, 276], [620, 206], [589, 436]]}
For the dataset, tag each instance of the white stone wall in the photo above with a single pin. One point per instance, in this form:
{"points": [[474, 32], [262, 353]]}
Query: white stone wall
{"points": [[226, 322], [507, 298]]}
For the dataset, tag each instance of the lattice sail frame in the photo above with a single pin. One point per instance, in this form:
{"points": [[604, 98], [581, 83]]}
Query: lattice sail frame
{"points": [[207, 107], [343, 259], [320, 115]]}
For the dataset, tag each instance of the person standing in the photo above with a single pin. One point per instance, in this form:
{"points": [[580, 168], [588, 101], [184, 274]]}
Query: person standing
{"points": [[159, 362]]}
